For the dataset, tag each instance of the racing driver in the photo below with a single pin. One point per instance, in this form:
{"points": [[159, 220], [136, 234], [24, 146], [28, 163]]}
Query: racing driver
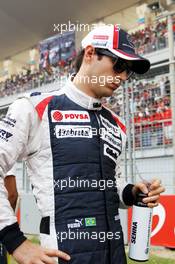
{"points": [[69, 135]]}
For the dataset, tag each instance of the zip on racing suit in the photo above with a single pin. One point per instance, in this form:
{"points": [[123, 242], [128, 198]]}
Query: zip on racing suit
{"points": [[68, 138]]}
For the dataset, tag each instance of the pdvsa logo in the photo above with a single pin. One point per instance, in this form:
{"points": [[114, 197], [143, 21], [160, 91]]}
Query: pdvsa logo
{"points": [[70, 116], [57, 116]]}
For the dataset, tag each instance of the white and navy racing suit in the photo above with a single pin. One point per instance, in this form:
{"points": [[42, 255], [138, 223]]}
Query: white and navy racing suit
{"points": [[63, 136]]}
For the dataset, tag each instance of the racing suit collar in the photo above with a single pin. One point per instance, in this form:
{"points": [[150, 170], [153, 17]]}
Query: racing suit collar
{"points": [[81, 98]]}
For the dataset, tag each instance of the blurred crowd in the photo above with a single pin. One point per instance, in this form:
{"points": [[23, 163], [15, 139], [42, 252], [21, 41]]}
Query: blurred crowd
{"points": [[150, 105], [152, 38], [150, 98], [152, 113], [146, 98], [28, 79]]}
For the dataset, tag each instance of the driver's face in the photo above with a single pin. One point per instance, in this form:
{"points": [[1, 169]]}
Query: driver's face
{"points": [[104, 80]]}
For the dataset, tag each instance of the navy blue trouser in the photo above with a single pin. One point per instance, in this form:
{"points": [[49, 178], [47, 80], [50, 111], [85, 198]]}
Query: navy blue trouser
{"points": [[3, 254]]}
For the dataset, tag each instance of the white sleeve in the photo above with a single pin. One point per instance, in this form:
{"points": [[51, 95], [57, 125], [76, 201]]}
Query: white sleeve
{"points": [[15, 131], [12, 171]]}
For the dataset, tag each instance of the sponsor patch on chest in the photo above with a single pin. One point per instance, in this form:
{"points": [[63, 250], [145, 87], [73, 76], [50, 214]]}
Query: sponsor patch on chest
{"points": [[70, 116], [109, 126], [113, 139], [66, 131], [111, 152]]}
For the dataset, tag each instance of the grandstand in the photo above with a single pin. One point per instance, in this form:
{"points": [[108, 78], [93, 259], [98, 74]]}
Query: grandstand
{"points": [[144, 103]]}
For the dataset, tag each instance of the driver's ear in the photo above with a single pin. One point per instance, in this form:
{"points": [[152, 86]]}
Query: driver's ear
{"points": [[89, 53]]}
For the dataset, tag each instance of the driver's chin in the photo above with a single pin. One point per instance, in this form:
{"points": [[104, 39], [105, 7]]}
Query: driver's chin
{"points": [[103, 91], [107, 91]]}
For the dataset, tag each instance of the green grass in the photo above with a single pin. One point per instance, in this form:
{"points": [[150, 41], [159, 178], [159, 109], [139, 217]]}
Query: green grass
{"points": [[154, 260]]}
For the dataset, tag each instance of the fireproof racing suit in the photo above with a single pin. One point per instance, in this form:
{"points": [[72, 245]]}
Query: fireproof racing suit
{"points": [[71, 144]]}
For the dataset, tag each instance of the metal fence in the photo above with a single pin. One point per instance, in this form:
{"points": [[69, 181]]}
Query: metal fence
{"points": [[150, 138]]}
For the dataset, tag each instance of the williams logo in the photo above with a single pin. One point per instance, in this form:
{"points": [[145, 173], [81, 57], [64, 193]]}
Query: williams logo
{"points": [[70, 116], [134, 232]]}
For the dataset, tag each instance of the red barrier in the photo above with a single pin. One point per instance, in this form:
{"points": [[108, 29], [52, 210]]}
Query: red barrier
{"points": [[163, 227], [159, 116]]}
